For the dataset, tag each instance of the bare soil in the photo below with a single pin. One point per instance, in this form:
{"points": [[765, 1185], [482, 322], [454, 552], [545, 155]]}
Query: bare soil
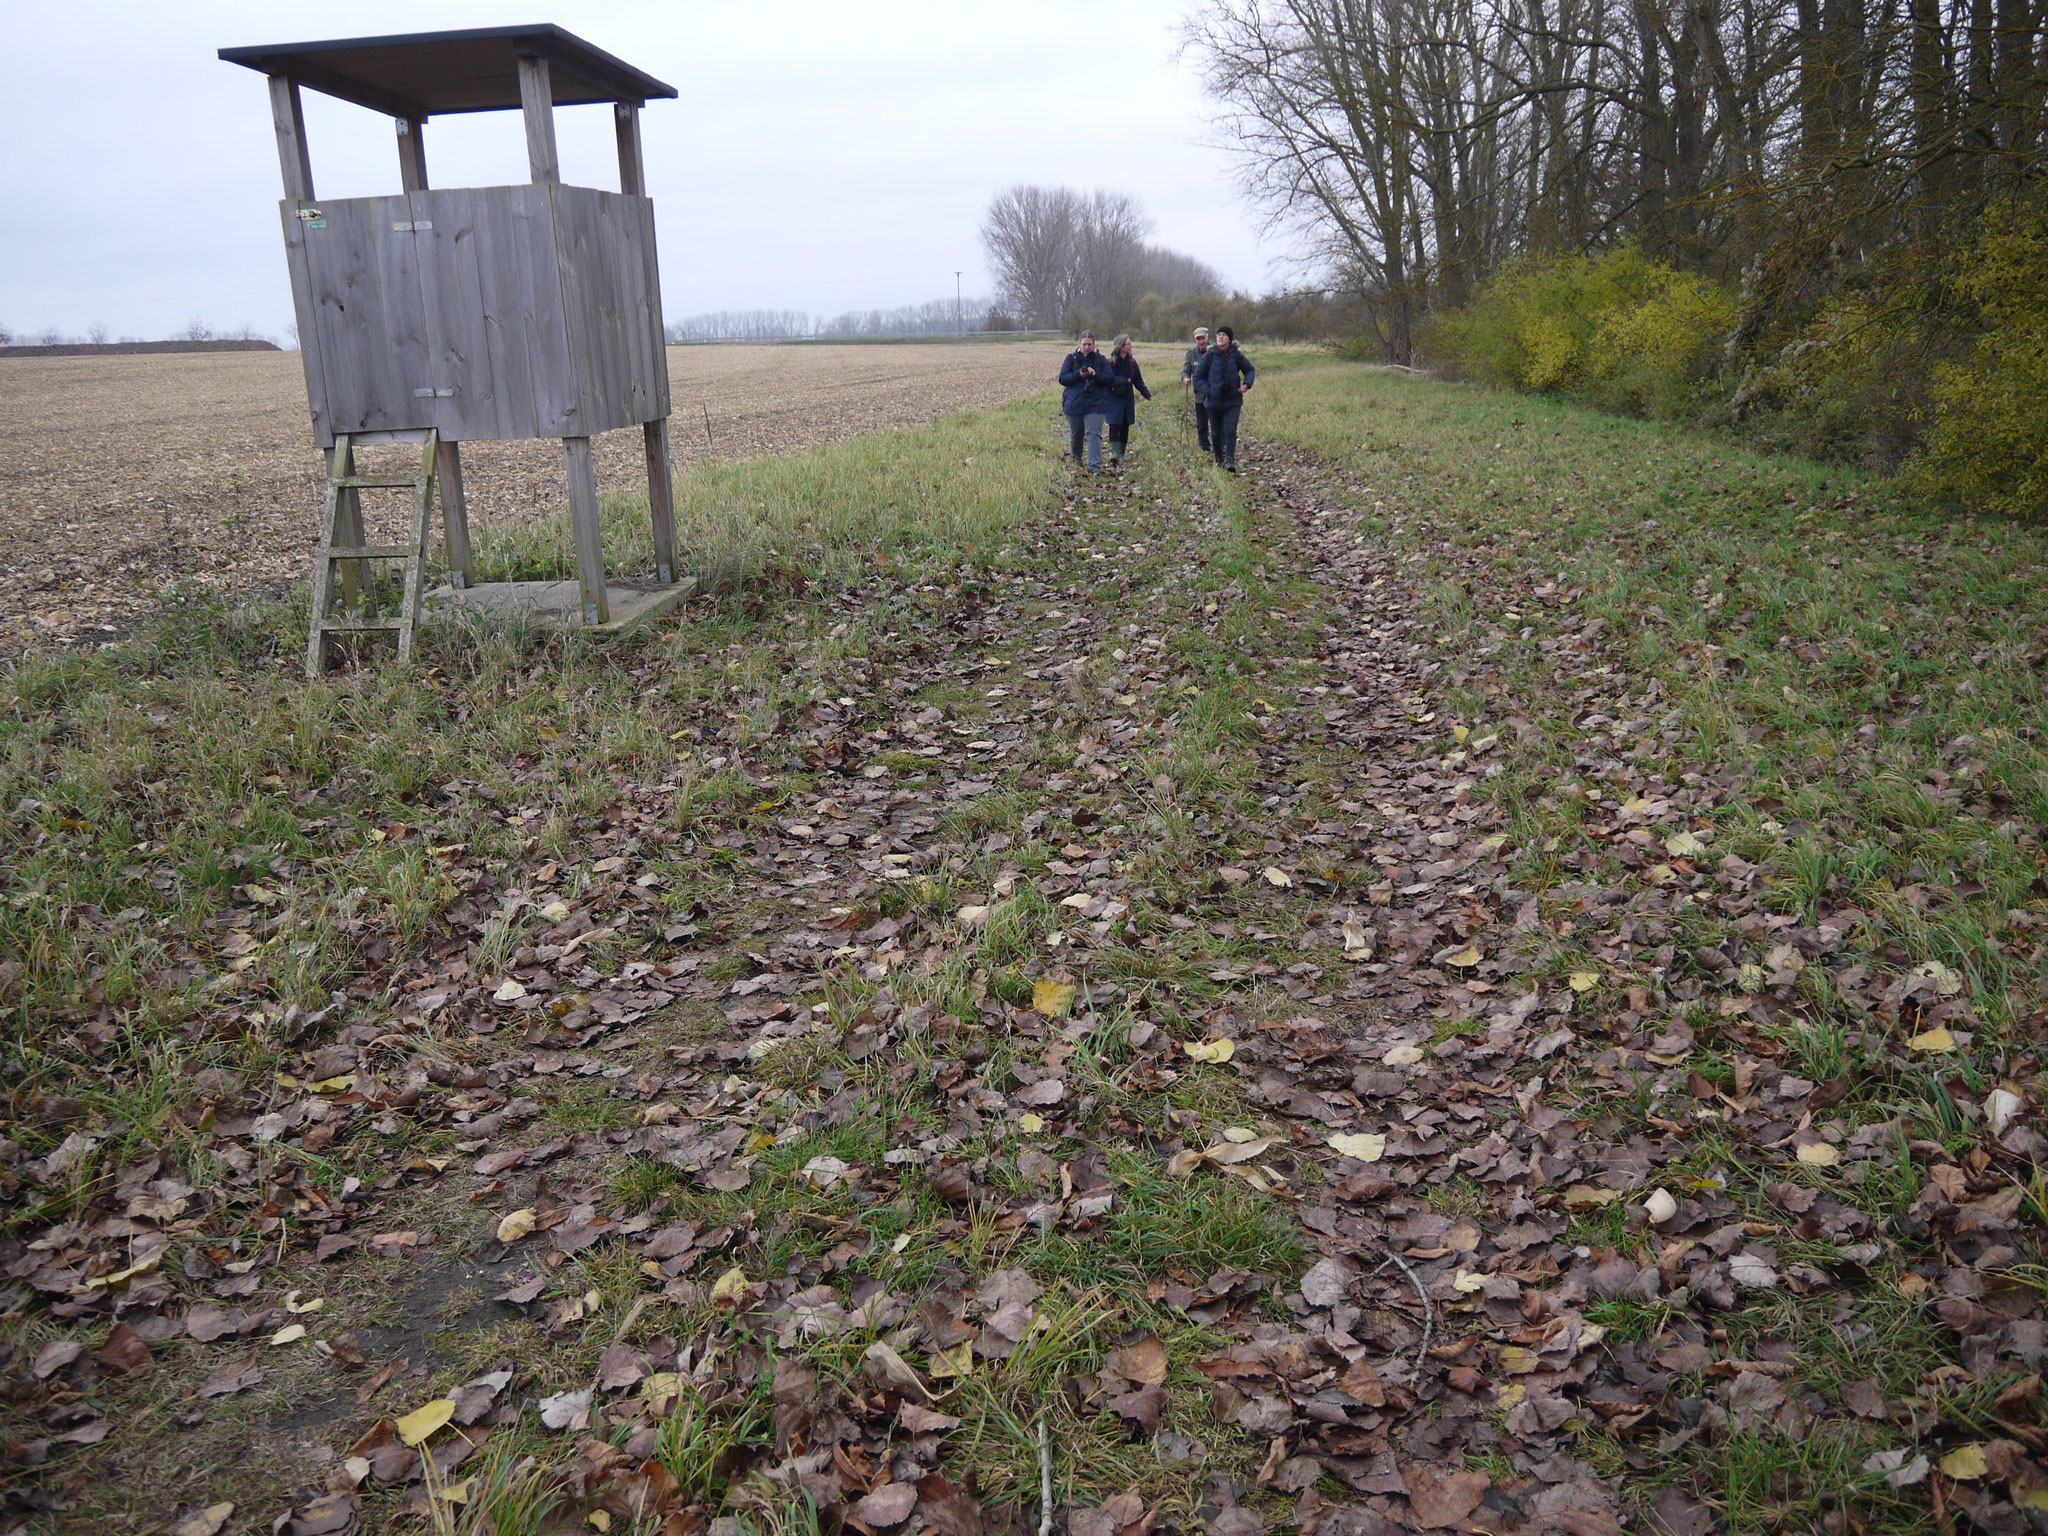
{"points": [[122, 478]]}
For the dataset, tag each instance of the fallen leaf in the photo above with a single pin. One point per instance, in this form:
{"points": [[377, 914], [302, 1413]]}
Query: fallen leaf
{"points": [[1583, 981], [1030, 1125], [1402, 1056], [1276, 876], [415, 1427], [206, 1522], [729, 1287], [1947, 983], [1436, 1502], [54, 1356], [1937, 1039], [509, 991], [290, 1333], [1365, 1146], [923, 1421], [1143, 1362], [515, 1225], [1820, 1154], [1966, 1463], [1216, 1051], [124, 1351], [1463, 959], [888, 1505], [566, 1410], [1684, 845], [1054, 999]]}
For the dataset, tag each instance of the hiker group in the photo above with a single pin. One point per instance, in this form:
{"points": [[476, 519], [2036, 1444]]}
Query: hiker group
{"points": [[1102, 390]]}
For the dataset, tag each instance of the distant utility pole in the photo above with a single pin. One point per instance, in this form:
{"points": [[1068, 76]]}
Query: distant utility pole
{"points": [[959, 309]]}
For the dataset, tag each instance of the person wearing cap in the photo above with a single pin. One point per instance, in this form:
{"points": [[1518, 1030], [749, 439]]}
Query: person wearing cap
{"points": [[1187, 377]]}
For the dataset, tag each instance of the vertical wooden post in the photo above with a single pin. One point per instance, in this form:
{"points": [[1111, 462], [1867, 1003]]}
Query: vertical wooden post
{"points": [[661, 499], [455, 515], [347, 530], [632, 167], [537, 101], [583, 523], [289, 119], [412, 154]]}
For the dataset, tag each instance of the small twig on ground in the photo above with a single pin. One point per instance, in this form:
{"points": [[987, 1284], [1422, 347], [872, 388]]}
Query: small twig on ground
{"points": [[708, 443], [1428, 1310], [1044, 1481]]}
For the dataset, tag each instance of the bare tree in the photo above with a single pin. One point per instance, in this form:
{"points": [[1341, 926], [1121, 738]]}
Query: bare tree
{"points": [[196, 329], [1032, 235], [98, 333]]}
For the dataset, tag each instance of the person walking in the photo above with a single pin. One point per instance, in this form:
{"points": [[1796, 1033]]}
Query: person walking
{"points": [[1126, 383], [1188, 365], [1084, 377], [1222, 379]]}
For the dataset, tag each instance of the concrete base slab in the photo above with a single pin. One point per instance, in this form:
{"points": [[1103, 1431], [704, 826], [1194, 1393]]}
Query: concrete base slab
{"points": [[630, 602]]}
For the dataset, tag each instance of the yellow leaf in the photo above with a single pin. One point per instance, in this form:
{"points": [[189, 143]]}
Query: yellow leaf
{"points": [[335, 1084], [515, 1226], [509, 991], [1947, 983], [1685, 845], [1751, 977], [1516, 1360], [425, 1419], [1588, 1197], [1183, 1163], [1216, 1051], [290, 1333], [600, 1521], [730, 1287], [1468, 956], [207, 1522], [1031, 1125], [1935, 1039], [957, 1361], [1277, 876], [1367, 1148], [1464, 1280], [1966, 1463], [1583, 981], [1402, 1056], [456, 1493], [1818, 1154], [1460, 734], [1054, 999]]}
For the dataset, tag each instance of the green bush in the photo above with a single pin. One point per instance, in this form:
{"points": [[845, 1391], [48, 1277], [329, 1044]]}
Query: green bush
{"points": [[1618, 330], [1988, 440]]}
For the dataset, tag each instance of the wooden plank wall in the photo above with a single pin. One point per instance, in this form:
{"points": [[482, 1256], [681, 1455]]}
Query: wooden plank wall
{"points": [[537, 305]]}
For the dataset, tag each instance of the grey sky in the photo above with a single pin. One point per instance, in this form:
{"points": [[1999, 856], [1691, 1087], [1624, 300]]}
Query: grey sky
{"points": [[820, 157]]}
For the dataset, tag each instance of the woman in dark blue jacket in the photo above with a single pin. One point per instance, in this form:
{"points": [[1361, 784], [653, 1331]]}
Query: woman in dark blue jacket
{"points": [[1126, 383], [1084, 377], [1221, 379]]}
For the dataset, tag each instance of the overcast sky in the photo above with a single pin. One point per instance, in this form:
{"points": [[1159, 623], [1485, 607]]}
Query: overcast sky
{"points": [[821, 156]]}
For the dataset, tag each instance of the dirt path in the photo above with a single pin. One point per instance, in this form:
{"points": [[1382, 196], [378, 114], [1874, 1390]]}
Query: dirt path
{"points": [[1102, 995], [120, 477]]}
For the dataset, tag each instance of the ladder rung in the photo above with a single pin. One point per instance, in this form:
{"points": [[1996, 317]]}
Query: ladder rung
{"points": [[383, 482], [367, 552], [360, 624]]}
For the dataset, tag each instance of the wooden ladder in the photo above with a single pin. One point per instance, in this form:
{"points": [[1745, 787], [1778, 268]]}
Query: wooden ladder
{"points": [[341, 543]]}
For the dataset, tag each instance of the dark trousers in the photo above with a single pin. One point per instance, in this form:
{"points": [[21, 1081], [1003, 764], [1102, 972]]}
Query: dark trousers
{"points": [[1201, 424], [1119, 437], [1223, 430]]}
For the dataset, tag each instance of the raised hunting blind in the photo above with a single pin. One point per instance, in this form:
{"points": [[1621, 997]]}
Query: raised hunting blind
{"points": [[449, 315]]}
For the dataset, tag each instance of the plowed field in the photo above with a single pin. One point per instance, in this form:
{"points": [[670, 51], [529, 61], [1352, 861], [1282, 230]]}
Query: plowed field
{"points": [[123, 476]]}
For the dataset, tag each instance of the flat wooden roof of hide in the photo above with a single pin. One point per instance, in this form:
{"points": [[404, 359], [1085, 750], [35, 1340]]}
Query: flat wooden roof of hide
{"points": [[432, 74]]}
